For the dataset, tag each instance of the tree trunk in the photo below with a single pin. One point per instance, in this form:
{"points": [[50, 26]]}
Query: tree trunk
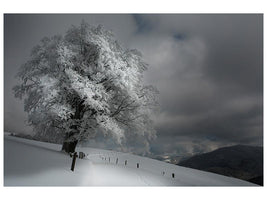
{"points": [[69, 147]]}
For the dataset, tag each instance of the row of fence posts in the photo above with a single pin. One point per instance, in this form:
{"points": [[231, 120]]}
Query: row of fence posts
{"points": [[82, 155], [137, 166]]}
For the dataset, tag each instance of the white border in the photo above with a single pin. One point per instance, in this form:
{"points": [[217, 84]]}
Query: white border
{"points": [[136, 6], [122, 6]]}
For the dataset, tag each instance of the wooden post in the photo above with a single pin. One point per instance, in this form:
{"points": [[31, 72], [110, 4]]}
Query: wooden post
{"points": [[81, 155], [73, 161], [137, 165]]}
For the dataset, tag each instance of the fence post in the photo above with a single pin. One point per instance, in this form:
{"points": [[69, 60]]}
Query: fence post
{"points": [[117, 161], [137, 165], [125, 162], [81, 155], [172, 175], [73, 161]]}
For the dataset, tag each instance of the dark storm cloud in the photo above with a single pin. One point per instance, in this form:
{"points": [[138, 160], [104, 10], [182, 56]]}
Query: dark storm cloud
{"points": [[143, 24], [209, 71], [207, 68], [237, 57]]}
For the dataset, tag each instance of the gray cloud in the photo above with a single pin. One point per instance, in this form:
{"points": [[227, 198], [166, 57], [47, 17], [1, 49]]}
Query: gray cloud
{"points": [[210, 78], [207, 68]]}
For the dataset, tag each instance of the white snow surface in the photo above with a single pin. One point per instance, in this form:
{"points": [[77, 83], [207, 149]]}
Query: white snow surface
{"points": [[33, 163]]}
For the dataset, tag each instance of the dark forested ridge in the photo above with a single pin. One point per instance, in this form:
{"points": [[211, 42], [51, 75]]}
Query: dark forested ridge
{"points": [[240, 161]]}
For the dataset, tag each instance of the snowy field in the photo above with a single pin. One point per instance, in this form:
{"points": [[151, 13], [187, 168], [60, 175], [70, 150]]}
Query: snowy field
{"points": [[33, 163]]}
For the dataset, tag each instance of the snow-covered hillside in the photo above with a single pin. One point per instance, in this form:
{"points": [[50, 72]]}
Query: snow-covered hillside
{"points": [[32, 163]]}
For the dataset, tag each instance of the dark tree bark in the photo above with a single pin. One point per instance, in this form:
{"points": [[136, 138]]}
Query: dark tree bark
{"points": [[69, 147]]}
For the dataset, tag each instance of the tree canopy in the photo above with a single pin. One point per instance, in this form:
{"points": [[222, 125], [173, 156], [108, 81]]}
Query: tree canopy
{"points": [[85, 82]]}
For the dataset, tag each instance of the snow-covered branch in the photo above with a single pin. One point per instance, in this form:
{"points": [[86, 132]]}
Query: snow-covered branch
{"points": [[84, 82]]}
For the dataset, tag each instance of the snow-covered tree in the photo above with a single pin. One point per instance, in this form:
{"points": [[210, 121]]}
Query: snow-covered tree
{"points": [[77, 85]]}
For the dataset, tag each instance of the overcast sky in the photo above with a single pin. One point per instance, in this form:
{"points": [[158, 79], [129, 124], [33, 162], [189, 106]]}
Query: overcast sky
{"points": [[207, 68]]}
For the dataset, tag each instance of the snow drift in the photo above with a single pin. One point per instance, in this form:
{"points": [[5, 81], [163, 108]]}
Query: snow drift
{"points": [[33, 163]]}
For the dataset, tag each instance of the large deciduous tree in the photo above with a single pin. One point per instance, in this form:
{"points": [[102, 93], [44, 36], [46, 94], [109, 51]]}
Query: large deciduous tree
{"points": [[82, 83]]}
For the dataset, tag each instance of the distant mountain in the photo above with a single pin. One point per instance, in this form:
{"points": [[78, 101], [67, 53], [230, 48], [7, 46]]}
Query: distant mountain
{"points": [[240, 161], [257, 180]]}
